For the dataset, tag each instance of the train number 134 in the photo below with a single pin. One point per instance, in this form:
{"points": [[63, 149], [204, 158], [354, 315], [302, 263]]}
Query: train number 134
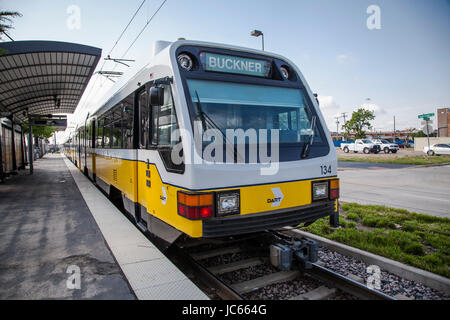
{"points": [[325, 170]]}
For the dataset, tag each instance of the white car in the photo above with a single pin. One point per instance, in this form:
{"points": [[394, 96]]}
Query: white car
{"points": [[437, 149], [386, 146], [363, 145]]}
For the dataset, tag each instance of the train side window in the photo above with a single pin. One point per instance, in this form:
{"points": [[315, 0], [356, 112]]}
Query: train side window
{"points": [[116, 127], [99, 134], [127, 125], [106, 133], [144, 120]]}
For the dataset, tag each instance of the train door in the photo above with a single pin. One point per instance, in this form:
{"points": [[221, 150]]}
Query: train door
{"points": [[143, 174], [158, 136]]}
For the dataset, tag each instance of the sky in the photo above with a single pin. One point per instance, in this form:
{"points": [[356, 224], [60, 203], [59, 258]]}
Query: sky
{"points": [[397, 56]]}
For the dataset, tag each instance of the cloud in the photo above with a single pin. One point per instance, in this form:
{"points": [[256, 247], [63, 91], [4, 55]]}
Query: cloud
{"points": [[374, 107], [327, 103], [342, 58], [330, 109]]}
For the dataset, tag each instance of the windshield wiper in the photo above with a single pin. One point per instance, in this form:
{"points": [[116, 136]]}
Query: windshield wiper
{"points": [[200, 113], [205, 118], [307, 145]]}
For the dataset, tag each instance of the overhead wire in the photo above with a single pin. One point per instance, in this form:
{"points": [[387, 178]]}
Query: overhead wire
{"points": [[110, 51], [137, 37]]}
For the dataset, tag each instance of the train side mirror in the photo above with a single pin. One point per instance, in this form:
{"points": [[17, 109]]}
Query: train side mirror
{"points": [[156, 96], [317, 99]]}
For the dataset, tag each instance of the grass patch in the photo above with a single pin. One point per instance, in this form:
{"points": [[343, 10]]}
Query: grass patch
{"points": [[414, 160], [419, 240]]}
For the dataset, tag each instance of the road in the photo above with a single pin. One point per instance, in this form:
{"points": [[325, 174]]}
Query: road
{"points": [[414, 188]]}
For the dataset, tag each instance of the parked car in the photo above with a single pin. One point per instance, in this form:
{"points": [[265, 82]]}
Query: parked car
{"points": [[386, 146], [437, 149], [363, 145]]}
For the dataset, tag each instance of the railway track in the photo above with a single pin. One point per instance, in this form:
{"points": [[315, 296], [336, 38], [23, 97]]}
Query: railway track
{"points": [[237, 269], [190, 256]]}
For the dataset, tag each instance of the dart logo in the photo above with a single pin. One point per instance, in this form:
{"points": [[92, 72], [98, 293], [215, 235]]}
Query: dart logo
{"points": [[278, 197], [164, 196]]}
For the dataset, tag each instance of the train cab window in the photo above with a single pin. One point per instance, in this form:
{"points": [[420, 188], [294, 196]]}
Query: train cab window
{"points": [[144, 120], [164, 131], [154, 121], [167, 121]]}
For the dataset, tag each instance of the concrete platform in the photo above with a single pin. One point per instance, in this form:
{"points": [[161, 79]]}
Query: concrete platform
{"points": [[46, 227], [150, 274], [56, 219]]}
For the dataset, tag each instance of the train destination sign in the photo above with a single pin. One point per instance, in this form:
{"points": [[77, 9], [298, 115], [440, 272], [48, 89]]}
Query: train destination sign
{"points": [[238, 65]]}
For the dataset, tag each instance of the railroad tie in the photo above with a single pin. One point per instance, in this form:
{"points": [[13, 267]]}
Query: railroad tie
{"points": [[258, 283], [229, 267], [214, 253], [320, 293]]}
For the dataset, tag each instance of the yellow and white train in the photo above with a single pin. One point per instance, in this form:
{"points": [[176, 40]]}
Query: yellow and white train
{"points": [[224, 185]]}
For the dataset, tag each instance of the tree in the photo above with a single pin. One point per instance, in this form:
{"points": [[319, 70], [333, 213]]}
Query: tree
{"points": [[421, 134], [359, 121], [41, 132], [5, 23], [6, 20]]}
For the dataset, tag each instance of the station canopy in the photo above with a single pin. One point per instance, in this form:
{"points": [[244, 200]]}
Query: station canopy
{"points": [[44, 77]]}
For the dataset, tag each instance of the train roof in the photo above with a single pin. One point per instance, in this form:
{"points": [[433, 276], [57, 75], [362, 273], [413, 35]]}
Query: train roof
{"points": [[159, 62]]}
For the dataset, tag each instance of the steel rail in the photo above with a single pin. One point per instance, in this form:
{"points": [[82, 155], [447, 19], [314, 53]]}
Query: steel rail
{"points": [[222, 290], [346, 284]]}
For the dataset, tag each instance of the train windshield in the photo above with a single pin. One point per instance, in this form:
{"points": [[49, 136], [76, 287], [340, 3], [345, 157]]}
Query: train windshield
{"points": [[244, 106]]}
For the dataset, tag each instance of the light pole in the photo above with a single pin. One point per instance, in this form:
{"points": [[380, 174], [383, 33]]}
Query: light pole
{"points": [[257, 33]]}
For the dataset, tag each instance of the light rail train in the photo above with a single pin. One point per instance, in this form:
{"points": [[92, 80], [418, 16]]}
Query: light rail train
{"points": [[211, 140]]}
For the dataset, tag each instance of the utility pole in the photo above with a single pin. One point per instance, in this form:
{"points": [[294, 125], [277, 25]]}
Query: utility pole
{"points": [[337, 125], [394, 131], [344, 114]]}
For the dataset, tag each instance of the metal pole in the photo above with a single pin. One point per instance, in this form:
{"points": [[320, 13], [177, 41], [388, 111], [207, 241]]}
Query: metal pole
{"points": [[262, 41], [13, 143], [394, 131], [428, 136], [30, 146], [1, 160]]}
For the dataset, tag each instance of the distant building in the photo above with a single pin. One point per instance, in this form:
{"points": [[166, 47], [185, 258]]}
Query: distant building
{"points": [[443, 119]]}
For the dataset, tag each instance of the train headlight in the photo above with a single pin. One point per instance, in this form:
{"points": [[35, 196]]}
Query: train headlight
{"points": [[320, 190], [228, 203], [185, 61], [284, 72]]}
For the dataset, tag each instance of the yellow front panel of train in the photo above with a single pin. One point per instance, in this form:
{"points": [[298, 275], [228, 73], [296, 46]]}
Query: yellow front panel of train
{"points": [[161, 201], [270, 197]]}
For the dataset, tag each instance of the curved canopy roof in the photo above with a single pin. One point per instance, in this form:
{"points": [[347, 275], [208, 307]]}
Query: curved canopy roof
{"points": [[44, 77]]}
